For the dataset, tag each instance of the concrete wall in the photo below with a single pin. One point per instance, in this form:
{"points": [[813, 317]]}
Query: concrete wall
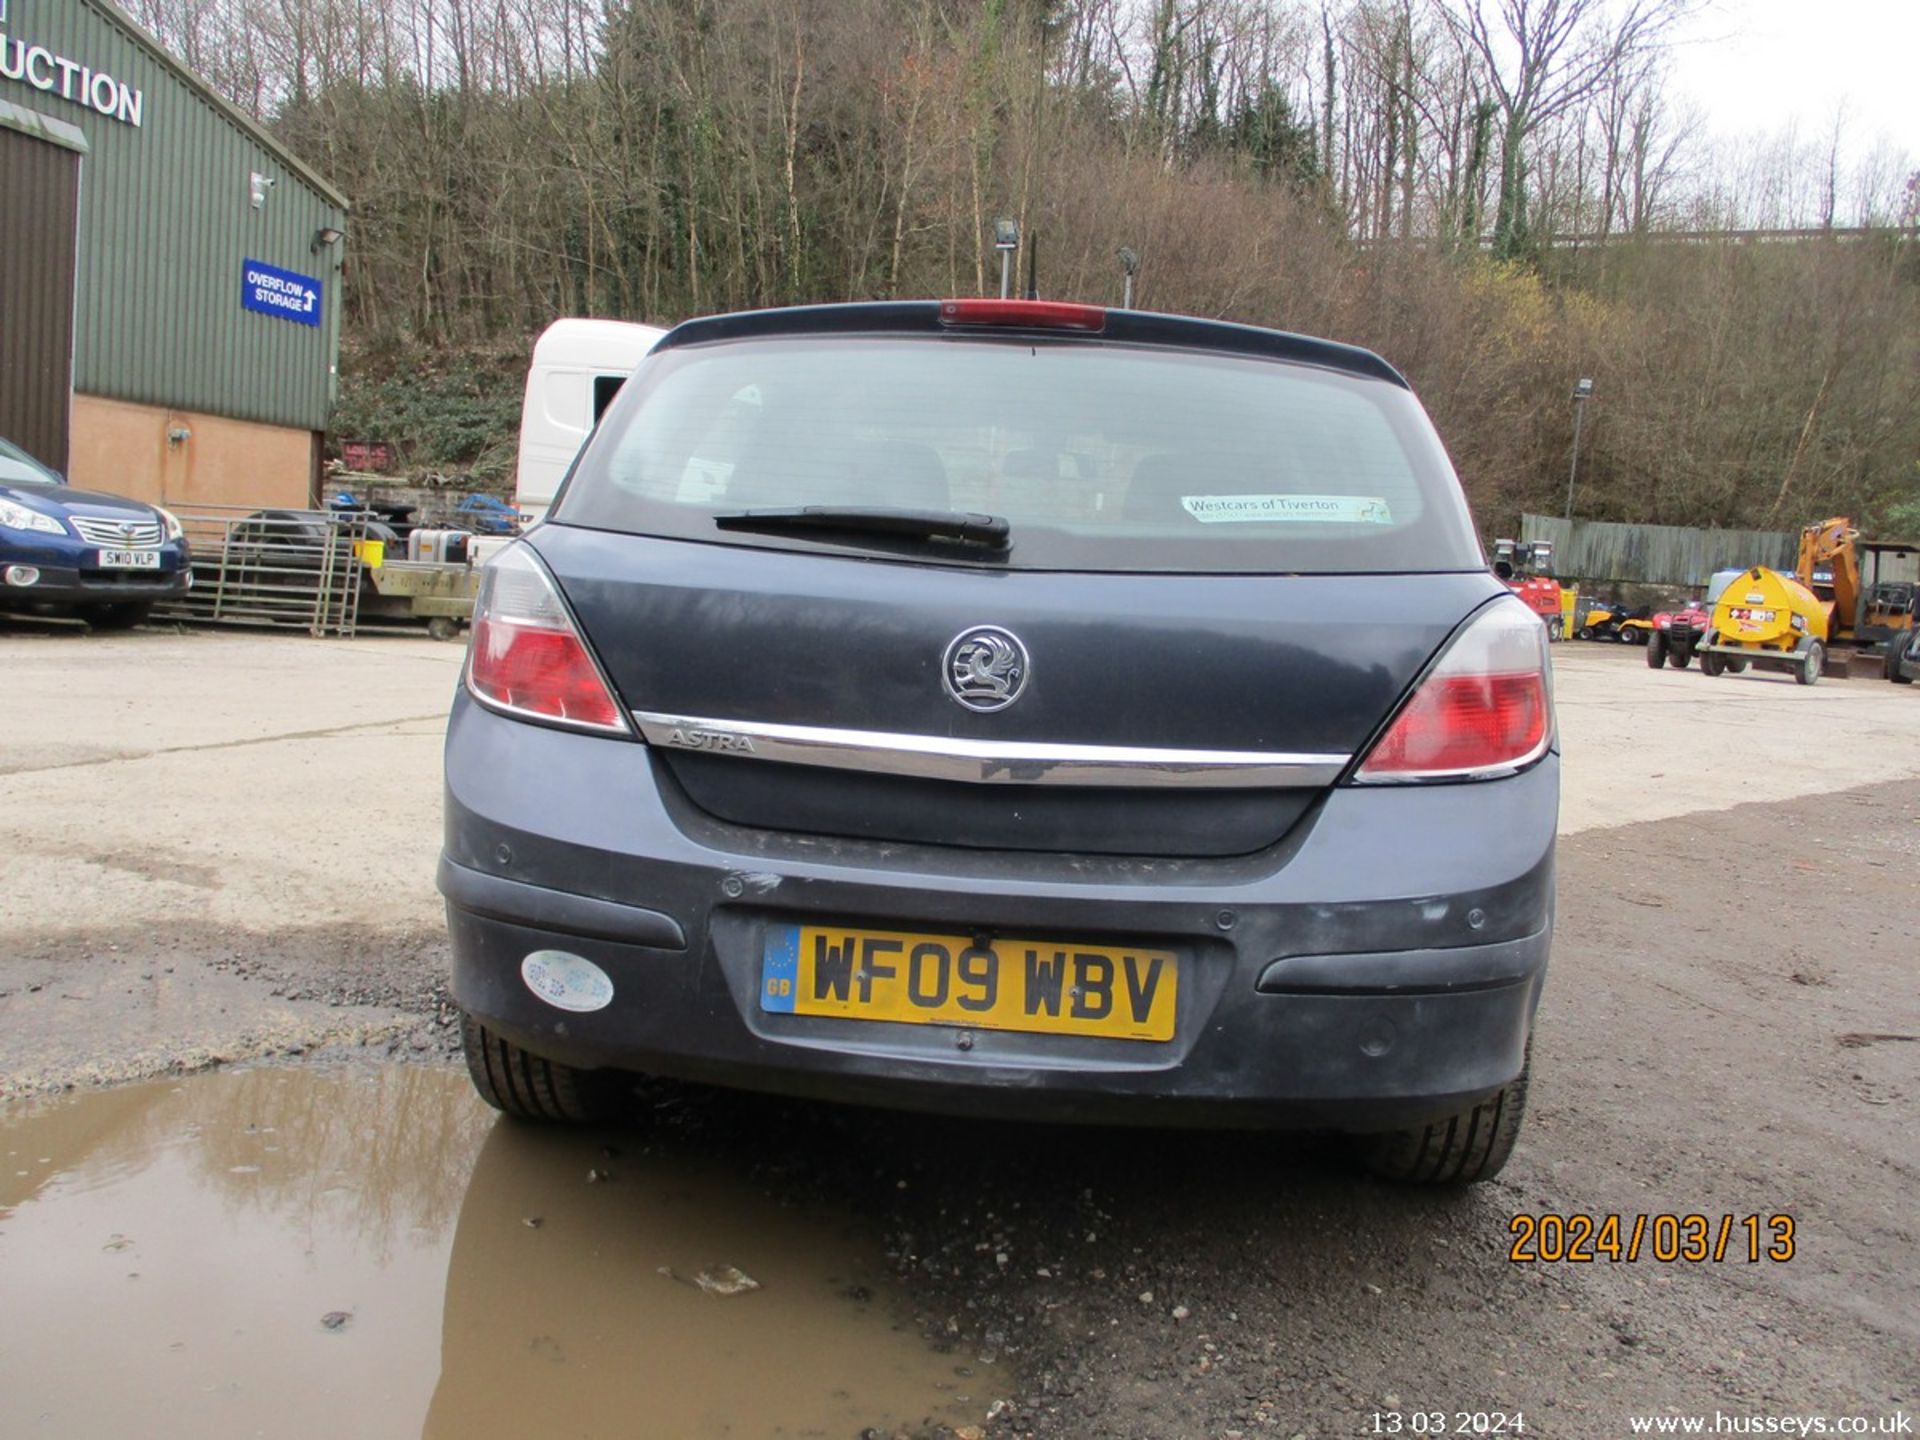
{"points": [[123, 447]]}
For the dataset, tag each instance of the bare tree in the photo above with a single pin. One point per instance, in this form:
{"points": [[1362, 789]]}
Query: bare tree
{"points": [[1542, 59]]}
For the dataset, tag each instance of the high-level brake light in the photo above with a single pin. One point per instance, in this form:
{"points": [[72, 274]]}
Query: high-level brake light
{"points": [[1485, 710], [528, 657], [1025, 314]]}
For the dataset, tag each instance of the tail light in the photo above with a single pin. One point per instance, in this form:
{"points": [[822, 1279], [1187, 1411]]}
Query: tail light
{"points": [[1484, 710], [527, 657]]}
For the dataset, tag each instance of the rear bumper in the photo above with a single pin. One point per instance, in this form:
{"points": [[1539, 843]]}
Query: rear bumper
{"points": [[1381, 966]]}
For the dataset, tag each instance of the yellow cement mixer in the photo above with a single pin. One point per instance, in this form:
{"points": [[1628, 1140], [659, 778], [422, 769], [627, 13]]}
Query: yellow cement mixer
{"points": [[1770, 621]]}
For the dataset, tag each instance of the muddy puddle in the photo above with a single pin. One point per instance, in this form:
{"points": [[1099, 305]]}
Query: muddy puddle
{"points": [[289, 1253]]}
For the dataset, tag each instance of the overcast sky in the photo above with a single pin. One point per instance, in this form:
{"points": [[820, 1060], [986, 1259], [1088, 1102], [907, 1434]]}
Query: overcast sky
{"points": [[1756, 65]]}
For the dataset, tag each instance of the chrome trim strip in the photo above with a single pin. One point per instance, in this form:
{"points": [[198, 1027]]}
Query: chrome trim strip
{"points": [[990, 762]]}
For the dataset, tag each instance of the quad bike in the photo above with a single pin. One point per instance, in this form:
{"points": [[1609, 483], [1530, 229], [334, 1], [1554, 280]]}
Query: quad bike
{"points": [[1676, 632]]}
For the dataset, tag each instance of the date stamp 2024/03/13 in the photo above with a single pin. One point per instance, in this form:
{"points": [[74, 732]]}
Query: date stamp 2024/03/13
{"points": [[1580, 1239]]}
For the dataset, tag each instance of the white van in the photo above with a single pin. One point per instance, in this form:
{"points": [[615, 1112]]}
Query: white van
{"points": [[578, 367]]}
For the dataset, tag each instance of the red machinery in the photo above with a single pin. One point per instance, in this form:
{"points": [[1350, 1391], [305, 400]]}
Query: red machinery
{"points": [[1527, 569]]}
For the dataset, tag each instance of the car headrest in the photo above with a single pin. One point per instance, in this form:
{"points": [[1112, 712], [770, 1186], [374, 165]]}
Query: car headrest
{"points": [[1155, 491], [901, 473]]}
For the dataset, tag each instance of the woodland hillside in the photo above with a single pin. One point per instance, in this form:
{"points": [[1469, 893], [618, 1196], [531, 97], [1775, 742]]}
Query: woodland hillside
{"points": [[1498, 195]]}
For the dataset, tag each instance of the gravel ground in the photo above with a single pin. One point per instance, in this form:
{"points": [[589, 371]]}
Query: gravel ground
{"points": [[1731, 1027], [1703, 1048]]}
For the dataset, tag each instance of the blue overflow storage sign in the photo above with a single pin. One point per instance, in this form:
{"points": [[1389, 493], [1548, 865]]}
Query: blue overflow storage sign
{"points": [[273, 291]]}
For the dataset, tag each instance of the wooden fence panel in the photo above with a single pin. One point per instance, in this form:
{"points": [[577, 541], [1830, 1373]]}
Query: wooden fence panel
{"points": [[1604, 551]]}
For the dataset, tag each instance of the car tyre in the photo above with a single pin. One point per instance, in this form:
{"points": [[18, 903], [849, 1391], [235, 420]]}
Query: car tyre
{"points": [[1735, 667], [526, 1086], [123, 616], [1894, 672], [1711, 664], [1585, 632], [1681, 657], [1657, 652], [1460, 1149]]}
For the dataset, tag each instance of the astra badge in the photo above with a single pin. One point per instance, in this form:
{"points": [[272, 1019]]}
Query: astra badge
{"points": [[985, 668], [689, 738]]}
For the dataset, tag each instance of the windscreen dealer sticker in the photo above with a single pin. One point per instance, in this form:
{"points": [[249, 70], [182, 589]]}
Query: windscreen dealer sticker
{"points": [[567, 982], [1337, 509]]}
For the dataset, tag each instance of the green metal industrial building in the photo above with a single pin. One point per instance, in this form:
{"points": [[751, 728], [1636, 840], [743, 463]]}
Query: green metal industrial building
{"points": [[169, 273]]}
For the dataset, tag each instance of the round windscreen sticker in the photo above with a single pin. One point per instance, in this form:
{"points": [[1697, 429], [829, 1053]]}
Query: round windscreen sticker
{"points": [[567, 982]]}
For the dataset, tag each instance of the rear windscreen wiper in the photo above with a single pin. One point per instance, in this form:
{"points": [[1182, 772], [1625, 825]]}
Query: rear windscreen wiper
{"points": [[987, 530]]}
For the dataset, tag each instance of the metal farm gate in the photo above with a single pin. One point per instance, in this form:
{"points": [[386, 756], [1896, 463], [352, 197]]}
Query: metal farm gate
{"points": [[293, 569]]}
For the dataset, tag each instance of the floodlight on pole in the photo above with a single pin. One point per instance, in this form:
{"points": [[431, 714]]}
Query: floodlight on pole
{"points": [[1006, 239], [1582, 392]]}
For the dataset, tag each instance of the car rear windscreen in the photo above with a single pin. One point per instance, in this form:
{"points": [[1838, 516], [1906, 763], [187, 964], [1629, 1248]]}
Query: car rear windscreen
{"points": [[1100, 457]]}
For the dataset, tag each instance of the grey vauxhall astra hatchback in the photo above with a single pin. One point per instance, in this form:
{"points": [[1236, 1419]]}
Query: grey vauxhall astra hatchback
{"points": [[1018, 709]]}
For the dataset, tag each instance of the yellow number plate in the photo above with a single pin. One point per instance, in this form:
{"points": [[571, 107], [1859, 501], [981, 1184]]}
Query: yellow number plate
{"points": [[1045, 986]]}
